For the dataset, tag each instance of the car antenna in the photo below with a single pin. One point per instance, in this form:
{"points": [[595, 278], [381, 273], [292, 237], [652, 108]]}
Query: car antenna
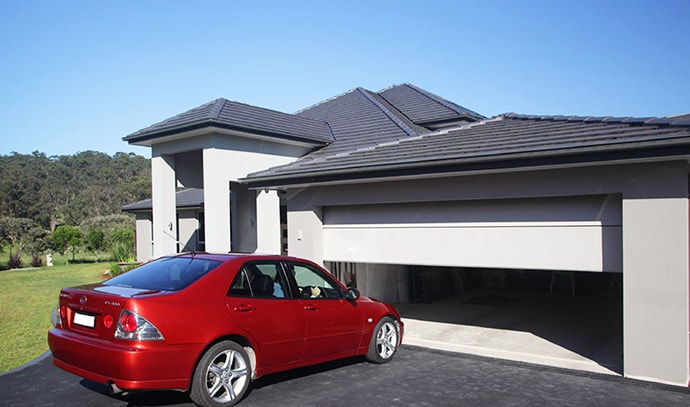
{"points": [[184, 246]]}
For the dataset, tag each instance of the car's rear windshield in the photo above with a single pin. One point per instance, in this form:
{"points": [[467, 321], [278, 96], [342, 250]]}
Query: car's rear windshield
{"points": [[167, 274]]}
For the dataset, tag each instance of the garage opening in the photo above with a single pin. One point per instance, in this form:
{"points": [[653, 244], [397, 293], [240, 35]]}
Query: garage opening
{"points": [[556, 318]]}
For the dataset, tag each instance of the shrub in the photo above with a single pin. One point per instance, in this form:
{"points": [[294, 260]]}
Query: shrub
{"points": [[115, 270], [15, 261], [123, 245], [36, 260]]}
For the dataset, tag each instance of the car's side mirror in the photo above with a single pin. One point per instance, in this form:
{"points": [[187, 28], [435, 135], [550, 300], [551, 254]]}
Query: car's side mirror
{"points": [[352, 294]]}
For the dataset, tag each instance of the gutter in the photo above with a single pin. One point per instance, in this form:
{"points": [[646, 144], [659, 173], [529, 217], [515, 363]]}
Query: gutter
{"points": [[504, 162]]}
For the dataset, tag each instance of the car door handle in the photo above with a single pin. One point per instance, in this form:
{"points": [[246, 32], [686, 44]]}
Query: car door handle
{"points": [[244, 308], [311, 307]]}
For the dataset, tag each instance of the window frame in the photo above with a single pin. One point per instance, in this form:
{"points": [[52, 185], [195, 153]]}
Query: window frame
{"points": [[288, 264], [287, 288]]}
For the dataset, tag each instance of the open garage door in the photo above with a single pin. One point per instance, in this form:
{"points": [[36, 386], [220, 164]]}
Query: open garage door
{"points": [[580, 233]]}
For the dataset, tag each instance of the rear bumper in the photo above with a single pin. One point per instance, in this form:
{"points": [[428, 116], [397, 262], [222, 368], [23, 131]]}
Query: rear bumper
{"points": [[146, 366]]}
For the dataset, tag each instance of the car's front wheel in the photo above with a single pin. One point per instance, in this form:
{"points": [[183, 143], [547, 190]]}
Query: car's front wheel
{"points": [[222, 376], [384, 341]]}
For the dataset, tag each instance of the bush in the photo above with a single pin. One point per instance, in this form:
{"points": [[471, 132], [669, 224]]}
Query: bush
{"points": [[15, 261], [123, 245], [115, 270], [36, 260]]}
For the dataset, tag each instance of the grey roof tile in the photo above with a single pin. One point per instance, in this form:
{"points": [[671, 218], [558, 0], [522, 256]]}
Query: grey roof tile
{"points": [[424, 107], [238, 116], [359, 118], [186, 198], [499, 138]]}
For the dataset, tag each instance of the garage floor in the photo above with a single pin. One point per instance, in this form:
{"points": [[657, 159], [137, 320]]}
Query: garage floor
{"points": [[570, 331]]}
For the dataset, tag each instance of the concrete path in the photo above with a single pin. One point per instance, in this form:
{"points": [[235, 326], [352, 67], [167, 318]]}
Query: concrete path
{"points": [[574, 332]]}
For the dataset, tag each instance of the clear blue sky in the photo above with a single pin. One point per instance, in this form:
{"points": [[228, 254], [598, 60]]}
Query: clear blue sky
{"points": [[80, 75]]}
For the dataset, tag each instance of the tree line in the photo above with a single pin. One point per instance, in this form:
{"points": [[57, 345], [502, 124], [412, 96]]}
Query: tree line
{"points": [[69, 201]]}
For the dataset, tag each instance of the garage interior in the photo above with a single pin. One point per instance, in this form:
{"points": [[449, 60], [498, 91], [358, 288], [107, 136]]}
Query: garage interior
{"points": [[564, 319]]}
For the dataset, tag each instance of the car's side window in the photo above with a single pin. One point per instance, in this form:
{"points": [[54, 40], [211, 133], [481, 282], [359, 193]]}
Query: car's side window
{"points": [[312, 283], [261, 280]]}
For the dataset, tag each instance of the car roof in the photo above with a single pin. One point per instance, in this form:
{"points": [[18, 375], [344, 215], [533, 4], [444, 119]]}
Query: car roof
{"points": [[227, 257]]}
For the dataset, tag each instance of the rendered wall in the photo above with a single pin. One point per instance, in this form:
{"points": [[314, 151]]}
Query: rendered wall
{"points": [[187, 230], [163, 200], [212, 161], [144, 239]]}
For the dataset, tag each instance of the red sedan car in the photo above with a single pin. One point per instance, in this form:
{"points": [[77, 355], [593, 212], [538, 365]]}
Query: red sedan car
{"points": [[210, 323]]}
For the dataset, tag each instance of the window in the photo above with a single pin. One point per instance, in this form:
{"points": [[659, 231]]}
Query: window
{"points": [[260, 280], [312, 283], [167, 273], [201, 244]]}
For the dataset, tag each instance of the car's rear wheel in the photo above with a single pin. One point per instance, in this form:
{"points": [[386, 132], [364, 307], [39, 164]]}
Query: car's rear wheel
{"points": [[222, 376], [384, 341]]}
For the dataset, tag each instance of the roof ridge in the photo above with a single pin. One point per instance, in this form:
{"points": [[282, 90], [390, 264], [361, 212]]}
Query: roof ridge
{"points": [[640, 121], [403, 126], [218, 106], [324, 101], [444, 102]]}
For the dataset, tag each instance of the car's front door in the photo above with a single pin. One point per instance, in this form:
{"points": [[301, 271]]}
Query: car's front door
{"points": [[333, 324], [259, 302]]}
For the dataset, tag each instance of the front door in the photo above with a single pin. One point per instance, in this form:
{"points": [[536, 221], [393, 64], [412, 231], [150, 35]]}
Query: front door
{"points": [[259, 303], [333, 324]]}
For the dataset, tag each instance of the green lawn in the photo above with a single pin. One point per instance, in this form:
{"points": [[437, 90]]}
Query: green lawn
{"points": [[27, 298]]}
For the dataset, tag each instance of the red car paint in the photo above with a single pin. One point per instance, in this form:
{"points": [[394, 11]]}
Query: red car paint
{"points": [[280, 333]]}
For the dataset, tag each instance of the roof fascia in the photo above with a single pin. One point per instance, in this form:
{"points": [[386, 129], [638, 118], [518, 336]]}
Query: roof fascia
{"points": [[213, 127]]}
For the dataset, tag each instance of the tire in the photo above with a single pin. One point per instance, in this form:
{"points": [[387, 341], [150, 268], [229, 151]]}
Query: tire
{"points": [[222, 376], [384, 341]]}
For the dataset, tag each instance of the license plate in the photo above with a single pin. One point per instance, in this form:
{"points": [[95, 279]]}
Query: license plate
{"points": [[88, 321]]}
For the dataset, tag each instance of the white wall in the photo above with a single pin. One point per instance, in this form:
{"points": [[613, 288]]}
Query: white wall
{"points": [[163, 202], [224, 157], [217, 177], [268, 239]]}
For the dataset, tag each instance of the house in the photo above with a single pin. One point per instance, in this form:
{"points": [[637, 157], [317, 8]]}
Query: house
{"points": [[378, 185]]}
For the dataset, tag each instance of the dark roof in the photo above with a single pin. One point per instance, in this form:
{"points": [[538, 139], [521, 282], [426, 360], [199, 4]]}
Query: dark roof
{"points": [[357, 118], [423, 107], [186, 198], [509, 139], [238, 116], [361, 119]]}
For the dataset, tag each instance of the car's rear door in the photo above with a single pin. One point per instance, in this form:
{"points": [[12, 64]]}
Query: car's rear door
{"points": [[270, 316]]}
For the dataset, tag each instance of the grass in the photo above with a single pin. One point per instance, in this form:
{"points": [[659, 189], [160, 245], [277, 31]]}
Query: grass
{"points": [[27, 298]]}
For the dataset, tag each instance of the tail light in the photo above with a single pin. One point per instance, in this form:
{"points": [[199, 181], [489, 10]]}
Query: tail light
{"points": [[55, 317], [59, 315], [134, 327]]}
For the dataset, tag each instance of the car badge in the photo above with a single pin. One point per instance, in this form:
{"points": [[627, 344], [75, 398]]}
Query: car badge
{"points": [[82, 300]]}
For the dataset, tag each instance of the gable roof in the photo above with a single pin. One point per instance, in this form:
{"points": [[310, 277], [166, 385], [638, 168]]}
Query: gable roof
{"points": [[185, 199], [231, 115], [508, 140]]}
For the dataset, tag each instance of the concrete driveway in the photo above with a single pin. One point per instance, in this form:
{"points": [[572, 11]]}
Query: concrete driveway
{"points": [[416, 377]]}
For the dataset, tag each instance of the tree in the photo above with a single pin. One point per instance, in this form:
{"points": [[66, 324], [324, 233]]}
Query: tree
{"points": [[66, 237], [68, 189], [95, 241], [123, 245]]}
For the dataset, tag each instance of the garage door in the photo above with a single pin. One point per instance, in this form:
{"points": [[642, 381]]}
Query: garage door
{"points": [[565, 233]]}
